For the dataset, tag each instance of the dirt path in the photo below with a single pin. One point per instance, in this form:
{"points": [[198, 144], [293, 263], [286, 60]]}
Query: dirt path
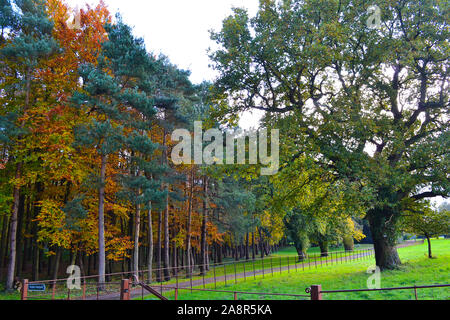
{"points": [[232, 278]]}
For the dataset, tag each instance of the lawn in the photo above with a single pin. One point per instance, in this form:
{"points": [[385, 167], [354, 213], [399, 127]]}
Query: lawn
{"points": [[417, 269]]}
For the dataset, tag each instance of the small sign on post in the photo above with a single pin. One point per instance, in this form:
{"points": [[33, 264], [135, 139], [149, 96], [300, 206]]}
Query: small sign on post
{"points": [[36, 287]]}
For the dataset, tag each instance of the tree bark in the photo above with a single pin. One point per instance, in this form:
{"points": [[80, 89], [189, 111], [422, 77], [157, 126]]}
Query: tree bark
{"points": [[158, 249], [203, 229], [188, 225], [429, 246], [3, 244], [166, 256], [382, 225], [150, 244], [56, 265], [137, 226], [13, 232], [101, 225]]}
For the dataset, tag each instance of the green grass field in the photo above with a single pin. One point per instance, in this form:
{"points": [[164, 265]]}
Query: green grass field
{"points": [[417, 269]]}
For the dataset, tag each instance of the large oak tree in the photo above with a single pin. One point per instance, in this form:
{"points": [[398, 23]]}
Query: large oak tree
{"points": [[370, 105]]}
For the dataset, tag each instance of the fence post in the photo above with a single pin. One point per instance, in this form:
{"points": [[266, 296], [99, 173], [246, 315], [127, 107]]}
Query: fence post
{"points": [[176, 293], [24, 291], [235, 296], [125, 289], [53, 290], [316, 292]]}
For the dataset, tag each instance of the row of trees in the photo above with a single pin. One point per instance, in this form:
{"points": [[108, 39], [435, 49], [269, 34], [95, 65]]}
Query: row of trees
{"points": [[363, 112], [87, 114], [85, 129], [85, 137]]}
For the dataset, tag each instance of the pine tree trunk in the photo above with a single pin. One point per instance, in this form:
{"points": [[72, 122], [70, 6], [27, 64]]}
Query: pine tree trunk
{"points": [[13, 232], [101, 225], [158, 250], [166, 255], [188, 225], [137, 226], [150, 245]]}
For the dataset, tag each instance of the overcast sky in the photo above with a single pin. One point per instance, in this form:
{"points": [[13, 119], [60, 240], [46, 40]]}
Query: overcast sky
{"points": [[177, 28], [180, 30]]}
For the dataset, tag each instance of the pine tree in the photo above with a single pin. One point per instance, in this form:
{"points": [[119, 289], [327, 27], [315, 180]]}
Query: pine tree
{"points": [[30, 42], [135, 69]]}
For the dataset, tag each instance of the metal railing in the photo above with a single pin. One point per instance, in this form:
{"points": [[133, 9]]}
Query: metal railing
{"points": [[317, 292]]}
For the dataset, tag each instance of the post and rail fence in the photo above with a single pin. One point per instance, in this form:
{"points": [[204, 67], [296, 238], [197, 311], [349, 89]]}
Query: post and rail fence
{"points": [[226, 272], [126, 285], [317, 293]]}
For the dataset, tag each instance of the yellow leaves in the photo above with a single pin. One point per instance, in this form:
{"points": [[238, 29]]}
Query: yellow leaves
{"points": [[51, 220]]}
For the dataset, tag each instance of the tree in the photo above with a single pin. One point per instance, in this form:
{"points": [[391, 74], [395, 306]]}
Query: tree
{"points": [[298, 227], [367, 105], [30, 42], [426, 221]]}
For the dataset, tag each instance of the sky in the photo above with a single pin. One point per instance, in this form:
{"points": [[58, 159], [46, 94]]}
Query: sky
{"points": [[180, 29], [177, 28]]}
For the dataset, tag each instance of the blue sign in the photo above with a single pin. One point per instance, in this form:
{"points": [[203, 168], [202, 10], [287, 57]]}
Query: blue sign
{"points": [[36, 287]]}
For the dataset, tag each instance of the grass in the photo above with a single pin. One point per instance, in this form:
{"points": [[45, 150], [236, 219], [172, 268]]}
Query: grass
{"points": [[283, 258], [417, 269]]}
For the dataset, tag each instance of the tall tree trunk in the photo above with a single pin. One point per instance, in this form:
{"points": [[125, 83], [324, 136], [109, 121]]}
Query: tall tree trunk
{"points": [[188, 225], [137, 226], [261, 243], [247, 240], [253, 246], [27, 241], [19, 236], [56, 265], [101, 225], [203, 229], [382, 225], [150, 244], [166, 255], [13, 232], [158, 249], [3, 244]]}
